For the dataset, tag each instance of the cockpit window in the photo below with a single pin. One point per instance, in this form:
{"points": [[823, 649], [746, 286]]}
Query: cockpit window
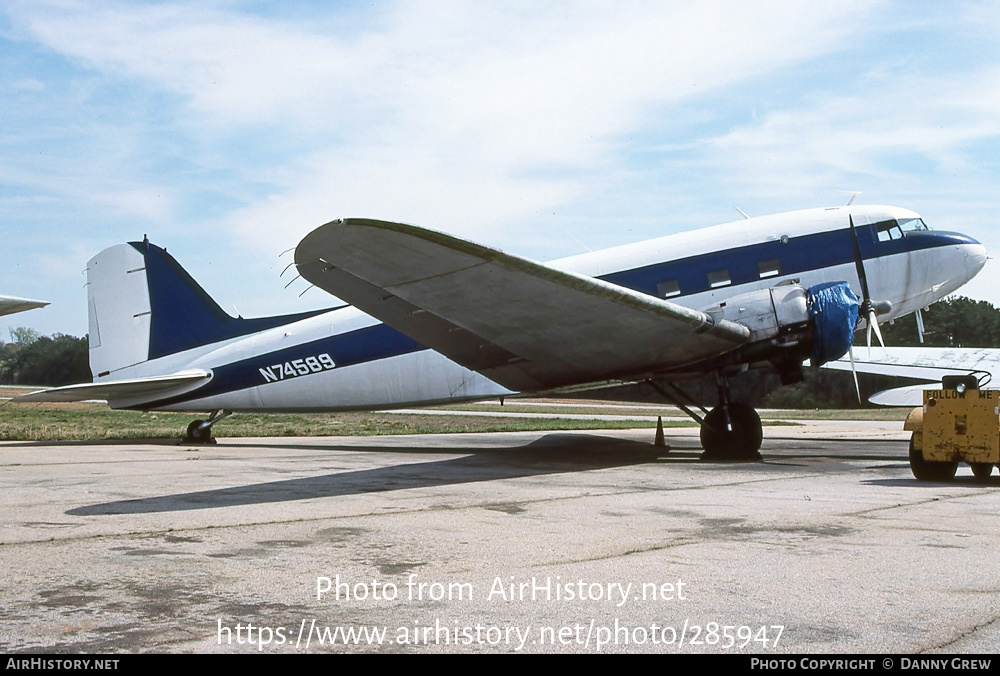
{"points": [[888, 230], [912, 224]]}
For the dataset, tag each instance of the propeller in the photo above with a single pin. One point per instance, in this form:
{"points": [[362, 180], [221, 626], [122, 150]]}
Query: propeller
{"points": [[868, 307]]}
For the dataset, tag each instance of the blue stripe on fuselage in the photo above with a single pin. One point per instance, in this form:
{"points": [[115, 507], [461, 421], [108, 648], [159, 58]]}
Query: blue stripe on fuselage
{"points": [[798, 255], [371, 343]]}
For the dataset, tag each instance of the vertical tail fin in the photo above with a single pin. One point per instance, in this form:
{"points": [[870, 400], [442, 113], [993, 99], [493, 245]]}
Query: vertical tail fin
{"points": [[143, 305], [118, 309]]}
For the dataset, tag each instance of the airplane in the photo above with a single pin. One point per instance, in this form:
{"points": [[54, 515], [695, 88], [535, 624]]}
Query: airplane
{"points": [[12, 304], [435, 319]]}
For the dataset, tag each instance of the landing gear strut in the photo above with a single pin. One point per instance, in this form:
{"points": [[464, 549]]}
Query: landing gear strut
{"points": [[200, 431], [731, 430]]}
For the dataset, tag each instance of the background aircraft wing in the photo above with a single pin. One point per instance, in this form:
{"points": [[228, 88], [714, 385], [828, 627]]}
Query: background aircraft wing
{"points": [[11, 304], [929, 364], [923, 363], [522, 324], [908, 395]]}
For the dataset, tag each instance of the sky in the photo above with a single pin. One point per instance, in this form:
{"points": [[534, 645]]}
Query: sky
{"points": [[226, 131]]}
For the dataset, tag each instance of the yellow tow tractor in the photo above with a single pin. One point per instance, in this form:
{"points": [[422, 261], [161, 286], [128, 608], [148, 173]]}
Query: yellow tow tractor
{"points": [[957, 423]]}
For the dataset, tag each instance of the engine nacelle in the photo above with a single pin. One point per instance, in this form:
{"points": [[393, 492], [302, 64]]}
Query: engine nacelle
{"points": [[768, 313]]}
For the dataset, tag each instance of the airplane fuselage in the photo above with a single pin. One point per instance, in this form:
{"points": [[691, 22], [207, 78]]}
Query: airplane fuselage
{"points": [[702, 268]]}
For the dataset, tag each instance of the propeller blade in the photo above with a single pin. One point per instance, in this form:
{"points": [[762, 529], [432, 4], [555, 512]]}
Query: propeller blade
{"points": [[858, 263], [867, 306], [878, 331], [872, 320], [854, 372]]}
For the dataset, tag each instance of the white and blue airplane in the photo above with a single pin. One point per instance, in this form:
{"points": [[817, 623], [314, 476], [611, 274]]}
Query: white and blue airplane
{"points": [[437, 319]]}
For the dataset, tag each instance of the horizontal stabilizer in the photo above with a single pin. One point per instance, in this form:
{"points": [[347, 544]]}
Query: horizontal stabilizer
{"points": [[11, 304], [133, 390], [524, 325]]}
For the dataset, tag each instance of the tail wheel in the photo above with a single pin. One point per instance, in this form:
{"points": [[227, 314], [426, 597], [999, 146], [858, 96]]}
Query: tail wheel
{"points": [[925, 470]]}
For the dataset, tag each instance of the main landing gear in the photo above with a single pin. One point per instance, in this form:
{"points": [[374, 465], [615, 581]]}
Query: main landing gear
{"points": [[200, 431], [730, 432]]}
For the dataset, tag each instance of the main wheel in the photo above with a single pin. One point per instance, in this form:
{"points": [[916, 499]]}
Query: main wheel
{"points": [[739, 441], [198, 432], [925, 470], [981, 470]]}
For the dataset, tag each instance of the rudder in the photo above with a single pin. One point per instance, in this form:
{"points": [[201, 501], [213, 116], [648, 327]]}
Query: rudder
{"points": [[118, 310]]}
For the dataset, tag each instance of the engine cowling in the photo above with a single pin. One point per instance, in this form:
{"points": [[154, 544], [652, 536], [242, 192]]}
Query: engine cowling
{"points": [[768, 312]]}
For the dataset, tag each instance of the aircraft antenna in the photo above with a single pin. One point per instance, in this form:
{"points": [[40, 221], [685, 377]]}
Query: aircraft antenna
{"points": [[574, 238], [742, 213]]}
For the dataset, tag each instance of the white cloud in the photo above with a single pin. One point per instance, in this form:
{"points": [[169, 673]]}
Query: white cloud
{"points": [[448, 113], [868, 136], [462, 116]]}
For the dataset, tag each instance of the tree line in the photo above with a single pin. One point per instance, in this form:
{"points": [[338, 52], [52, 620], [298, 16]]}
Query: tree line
{"points": [[32, 359]]}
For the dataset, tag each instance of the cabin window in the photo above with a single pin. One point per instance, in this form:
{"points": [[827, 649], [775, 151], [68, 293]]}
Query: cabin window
{"points": [[719, 278], [888, 230], [668, 289], [771, 268]]}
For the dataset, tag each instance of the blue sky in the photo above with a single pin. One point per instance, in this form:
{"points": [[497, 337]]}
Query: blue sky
{"points": [[226, 131]]}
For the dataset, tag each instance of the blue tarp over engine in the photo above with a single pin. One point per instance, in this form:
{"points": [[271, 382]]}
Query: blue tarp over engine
{"points": [[834, 309]]}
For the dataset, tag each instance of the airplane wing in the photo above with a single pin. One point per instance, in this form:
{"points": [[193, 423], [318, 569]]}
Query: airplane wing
{"points": [[929, 364], [11, 304], [124, 391], [522, 324]]}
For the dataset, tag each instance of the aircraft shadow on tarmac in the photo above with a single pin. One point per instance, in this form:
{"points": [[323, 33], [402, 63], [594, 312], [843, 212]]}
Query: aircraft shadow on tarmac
{"points": [[551, 454]]}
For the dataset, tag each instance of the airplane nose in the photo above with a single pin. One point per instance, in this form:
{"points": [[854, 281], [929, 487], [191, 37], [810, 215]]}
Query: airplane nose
{"points": [[975, 258]]}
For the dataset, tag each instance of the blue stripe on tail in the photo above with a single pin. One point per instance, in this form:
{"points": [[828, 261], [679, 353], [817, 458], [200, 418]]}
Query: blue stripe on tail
{"points": [[184, 316]]}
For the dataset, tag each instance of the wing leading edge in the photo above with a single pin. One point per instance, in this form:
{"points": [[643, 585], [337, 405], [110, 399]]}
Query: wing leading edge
{"points": [[522, 324]]}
